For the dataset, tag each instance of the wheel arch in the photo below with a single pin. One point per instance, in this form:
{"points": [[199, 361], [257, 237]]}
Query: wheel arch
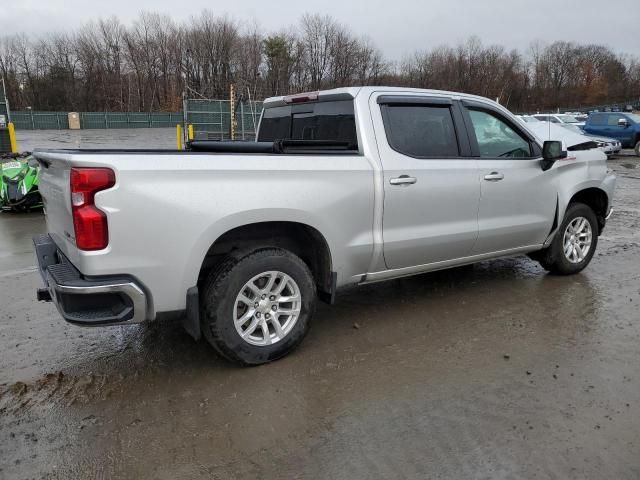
{"points": [[597, 199], [300, 238]]}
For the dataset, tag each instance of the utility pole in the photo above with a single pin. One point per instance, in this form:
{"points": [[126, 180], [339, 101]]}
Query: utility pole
{"points": [[232, 107]]}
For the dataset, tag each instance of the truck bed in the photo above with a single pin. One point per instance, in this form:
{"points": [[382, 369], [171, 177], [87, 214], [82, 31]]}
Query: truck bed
{"points": [[278, 147]]}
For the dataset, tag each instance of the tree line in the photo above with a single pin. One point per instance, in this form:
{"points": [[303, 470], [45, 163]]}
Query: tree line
{"points": [[146, 66]]}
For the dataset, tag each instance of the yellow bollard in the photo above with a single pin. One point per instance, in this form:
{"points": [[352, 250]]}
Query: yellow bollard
{"points": [[12, 138], [179, 136], [190, 130]]}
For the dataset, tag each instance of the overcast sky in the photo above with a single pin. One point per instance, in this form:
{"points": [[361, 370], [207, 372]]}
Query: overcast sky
{"points": [[397, 27]]}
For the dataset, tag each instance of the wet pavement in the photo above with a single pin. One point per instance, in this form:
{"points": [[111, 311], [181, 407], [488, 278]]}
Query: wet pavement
{"points": [[492, 371]]}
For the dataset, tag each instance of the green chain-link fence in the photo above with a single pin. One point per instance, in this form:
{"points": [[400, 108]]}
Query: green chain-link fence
{"points": [[30, 120], [37, 120], [211, 119]]}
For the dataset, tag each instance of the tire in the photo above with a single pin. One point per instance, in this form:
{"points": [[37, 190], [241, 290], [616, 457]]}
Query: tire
{"points": [[222, 304], [637, 149], [554, 259]]}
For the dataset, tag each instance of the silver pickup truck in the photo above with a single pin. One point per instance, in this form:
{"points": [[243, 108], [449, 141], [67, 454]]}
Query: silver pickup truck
{"points": [[342, 187]]}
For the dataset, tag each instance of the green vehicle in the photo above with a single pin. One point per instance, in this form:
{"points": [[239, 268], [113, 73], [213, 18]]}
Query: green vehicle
{"points": [[19, 177]]}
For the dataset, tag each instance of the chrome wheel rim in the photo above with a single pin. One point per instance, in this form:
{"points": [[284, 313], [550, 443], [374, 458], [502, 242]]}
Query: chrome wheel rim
{"points": [[577, 240], [267, 308]]}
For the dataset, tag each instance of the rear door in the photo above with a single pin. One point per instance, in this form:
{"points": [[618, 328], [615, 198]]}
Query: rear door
{"points": [[596, 124], [431, 188], [517, 198]]}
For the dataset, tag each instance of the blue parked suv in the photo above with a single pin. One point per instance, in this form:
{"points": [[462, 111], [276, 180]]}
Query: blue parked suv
{"points": [[624, 127]]}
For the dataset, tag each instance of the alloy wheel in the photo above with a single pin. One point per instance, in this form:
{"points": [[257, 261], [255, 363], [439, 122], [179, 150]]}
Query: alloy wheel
{"points": [[267, 308]]}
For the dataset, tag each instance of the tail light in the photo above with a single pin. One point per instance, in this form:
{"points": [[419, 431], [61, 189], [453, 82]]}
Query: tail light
{"points": [[89, 222]]}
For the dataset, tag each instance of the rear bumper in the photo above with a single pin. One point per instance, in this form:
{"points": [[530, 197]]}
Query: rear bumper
{"points": [[81, 300]]}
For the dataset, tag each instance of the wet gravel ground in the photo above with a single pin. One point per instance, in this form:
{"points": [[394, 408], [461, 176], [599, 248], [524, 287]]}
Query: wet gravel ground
{"points": [[492, 371]]}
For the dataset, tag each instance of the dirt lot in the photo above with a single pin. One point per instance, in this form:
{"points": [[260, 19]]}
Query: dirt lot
{"points": [[491, 371]]}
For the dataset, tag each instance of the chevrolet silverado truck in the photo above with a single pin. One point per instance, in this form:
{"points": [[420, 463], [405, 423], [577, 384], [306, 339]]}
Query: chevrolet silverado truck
{"points": [[342, 187]]}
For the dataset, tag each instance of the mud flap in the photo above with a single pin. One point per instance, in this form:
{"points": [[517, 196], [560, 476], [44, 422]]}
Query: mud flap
{"points": [[330, 296], [191, 321]]}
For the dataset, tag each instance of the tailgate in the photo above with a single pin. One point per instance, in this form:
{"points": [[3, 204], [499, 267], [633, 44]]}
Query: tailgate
{"points": [[55, 189]]}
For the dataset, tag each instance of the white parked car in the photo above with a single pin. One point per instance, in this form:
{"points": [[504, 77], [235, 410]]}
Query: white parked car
{"points": [[529, 119], [581, 117], [573, 142], [559, 118], [607, 145]]}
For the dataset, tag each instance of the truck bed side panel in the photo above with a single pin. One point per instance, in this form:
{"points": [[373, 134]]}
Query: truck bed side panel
{"points": [[166, 210]]}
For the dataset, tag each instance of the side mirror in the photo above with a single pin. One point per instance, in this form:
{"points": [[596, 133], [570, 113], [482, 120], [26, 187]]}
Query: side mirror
{"points": [[552, 150], [623, 123]]}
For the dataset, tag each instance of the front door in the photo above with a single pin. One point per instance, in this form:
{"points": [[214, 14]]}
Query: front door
{"points": [[431, 187], [622, 133], [517, 198]]}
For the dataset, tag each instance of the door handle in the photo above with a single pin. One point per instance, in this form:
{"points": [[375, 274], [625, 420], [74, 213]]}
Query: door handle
{"points": [[494, 177], [403, 180]]}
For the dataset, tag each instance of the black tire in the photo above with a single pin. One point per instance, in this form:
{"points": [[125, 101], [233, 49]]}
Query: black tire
{"points": [[637, 149], [553, 258], [218, 297]]}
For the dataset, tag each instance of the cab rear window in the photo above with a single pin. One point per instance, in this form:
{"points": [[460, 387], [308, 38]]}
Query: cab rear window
{"points": [[332, 120]]}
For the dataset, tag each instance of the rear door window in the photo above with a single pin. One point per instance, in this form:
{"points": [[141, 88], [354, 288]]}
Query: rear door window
{"points": [[421, 131], [332, 120], [597, 119]]}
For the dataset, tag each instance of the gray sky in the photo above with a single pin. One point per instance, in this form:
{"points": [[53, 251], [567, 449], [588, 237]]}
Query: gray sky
{"points": [[397, 27]]}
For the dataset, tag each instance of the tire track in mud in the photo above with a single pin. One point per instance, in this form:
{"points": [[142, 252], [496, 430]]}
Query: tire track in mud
{"points": [[57, 388]]}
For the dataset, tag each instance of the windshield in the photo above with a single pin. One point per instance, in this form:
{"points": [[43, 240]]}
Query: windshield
{"points": [[529, 119], [634, 117], [567, 119]]}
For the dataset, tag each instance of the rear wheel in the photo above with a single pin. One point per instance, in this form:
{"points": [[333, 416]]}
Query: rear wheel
{"points": [[574, 243], [637, 149], [257, 308]]}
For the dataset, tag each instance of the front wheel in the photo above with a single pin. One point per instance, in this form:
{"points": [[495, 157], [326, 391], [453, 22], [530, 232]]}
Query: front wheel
{"points": [[637, 149], [574, 243], [257, 308]]}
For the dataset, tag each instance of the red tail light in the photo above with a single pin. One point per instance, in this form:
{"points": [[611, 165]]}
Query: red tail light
{"points": [[90, 223]]}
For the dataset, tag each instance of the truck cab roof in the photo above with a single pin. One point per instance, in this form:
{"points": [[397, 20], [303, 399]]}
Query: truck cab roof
{"points": [[354, 92]]}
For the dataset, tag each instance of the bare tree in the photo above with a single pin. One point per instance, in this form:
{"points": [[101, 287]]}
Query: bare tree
{"points": [[145, 66]]}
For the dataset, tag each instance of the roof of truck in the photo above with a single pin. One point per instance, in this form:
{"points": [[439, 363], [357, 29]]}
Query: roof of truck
{"points": [[353, 92]]}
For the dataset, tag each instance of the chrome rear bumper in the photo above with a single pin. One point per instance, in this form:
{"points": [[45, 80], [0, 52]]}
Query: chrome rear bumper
{"points": [[87, 301]]}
